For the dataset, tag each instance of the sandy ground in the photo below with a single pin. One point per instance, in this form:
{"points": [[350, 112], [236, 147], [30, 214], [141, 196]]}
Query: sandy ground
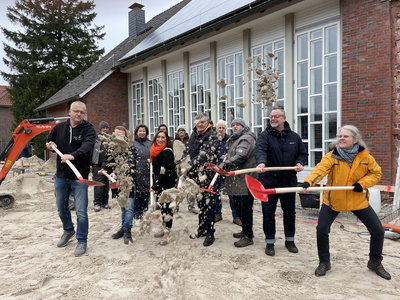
{"points": [[31, 266]]}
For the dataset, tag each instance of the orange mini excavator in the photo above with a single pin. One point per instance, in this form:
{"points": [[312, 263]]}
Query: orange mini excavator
{"points": [[24, 132]]}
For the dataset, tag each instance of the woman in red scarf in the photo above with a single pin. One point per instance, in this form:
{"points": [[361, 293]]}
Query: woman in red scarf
{"points": [[162, 158]]}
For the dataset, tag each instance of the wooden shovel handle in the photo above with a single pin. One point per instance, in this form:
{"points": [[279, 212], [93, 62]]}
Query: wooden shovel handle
{"points": [[258, 170], [74, 169], [108, 176]]}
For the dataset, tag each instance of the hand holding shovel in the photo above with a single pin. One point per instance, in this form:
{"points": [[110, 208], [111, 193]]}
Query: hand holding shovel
{"points": [[76, 172], [113, 184]]}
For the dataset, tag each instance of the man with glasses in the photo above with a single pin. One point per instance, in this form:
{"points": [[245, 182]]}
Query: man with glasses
{"points": [[75, 139], [279, 146]]}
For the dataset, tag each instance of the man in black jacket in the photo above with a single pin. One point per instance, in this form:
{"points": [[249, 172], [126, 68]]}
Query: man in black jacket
{"points": [[203, 148], [279, 146], [75, 139]]}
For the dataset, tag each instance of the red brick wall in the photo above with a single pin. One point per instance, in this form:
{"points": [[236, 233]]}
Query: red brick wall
{"points": [[367, 78], [109, 101], [6, 125]]}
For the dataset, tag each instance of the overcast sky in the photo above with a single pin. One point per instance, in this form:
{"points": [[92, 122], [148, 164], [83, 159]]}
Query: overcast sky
{"points": [[111, 13]]}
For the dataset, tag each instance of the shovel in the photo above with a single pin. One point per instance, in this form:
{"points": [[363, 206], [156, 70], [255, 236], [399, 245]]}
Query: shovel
{"points": [[257, 189], [75, 170], [151, 184], [113, 184], [392, 227], [221, 171]]}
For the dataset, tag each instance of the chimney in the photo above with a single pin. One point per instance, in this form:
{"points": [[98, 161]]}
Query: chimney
{"points": [[137, 22]]}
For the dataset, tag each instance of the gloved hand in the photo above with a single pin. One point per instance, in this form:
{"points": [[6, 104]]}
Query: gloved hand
{"points": [[357, 188], [305, 185]]}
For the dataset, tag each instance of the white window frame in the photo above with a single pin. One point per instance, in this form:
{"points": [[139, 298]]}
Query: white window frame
{"points": [[200, 90], [259, 112], [306, 128], [156, 115], [137, 103], [176, 100]]}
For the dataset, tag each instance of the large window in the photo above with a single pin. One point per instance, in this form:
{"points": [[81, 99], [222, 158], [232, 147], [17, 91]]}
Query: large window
{"points": [[137, 104], [260, 112], [230, 97], [155, 105], [200, 90], [176, 101], [317, 89]]}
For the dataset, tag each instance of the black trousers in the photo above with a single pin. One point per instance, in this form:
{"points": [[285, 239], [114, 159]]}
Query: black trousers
{"points": [[100, 192]]}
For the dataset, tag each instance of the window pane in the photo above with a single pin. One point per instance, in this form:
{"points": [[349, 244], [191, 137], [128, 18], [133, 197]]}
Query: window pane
{"points": [[257, 114], [279, 63], [331, 69], [230, 74], [316, 136], [200, 75], [316, 53], [239, 86], [302, 101], [302, 47], [316, 34], [221, 68], [330, 126], [302, 74], [303, 129], [230, 96], [316, 108], [281, 87], [239, 64], [316, 81], [331, 97], [331, 40]]}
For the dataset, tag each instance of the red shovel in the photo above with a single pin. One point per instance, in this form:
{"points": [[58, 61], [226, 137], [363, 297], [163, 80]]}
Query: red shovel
{"points": [[113, 184], [257, 189], [392, 227], [75, 170], [209, 189], [221, 171]]}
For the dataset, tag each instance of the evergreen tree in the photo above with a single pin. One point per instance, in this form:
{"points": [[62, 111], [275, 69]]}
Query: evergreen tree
{"points": [[57, 42]]}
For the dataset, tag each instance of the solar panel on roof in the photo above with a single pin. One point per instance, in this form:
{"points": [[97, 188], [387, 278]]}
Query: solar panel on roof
{"points": [[194, 14]]}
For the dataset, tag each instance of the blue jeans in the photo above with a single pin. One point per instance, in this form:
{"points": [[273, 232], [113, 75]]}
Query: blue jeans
{"points": [[289, 216], [233, 209], [366, 215], [62, 189], [140, 204], [127, 214]]}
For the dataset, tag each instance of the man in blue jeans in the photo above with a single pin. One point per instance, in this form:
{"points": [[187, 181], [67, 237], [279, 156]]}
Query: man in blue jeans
{"points": [[75, 139]]}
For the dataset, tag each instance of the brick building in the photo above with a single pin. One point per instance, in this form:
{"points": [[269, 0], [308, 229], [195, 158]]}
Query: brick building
{"points": [[7, 119], [338, 62]]}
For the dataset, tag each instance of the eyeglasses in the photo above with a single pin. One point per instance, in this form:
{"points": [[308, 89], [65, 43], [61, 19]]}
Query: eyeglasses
{"points": [[78, 112], [276, 117]]}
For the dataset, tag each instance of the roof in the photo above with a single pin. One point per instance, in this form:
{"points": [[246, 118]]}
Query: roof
{"points": [[4, 96], [100, 70], [194, 20]]}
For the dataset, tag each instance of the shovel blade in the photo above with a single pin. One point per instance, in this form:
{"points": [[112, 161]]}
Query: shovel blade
{"points": [[217, 169], [257, 189], [113, 185], [89, 182]]}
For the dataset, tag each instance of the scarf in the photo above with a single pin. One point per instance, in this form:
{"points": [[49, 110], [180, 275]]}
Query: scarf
{"points": [[155, 150], [204, 129], [348, 155]]}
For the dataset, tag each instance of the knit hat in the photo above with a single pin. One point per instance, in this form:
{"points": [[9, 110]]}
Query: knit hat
{"points": [[239, 121], [181, 127], [103, 124]]}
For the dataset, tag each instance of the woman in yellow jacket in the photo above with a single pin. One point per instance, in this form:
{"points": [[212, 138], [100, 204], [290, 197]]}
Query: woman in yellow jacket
{"points": [[348, 164]]}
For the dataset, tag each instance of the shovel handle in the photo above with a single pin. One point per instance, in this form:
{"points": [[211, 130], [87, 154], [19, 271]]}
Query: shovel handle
{"points": [[258, 170], [311, 189], [73, 168], [151, 184], [108, 176]]}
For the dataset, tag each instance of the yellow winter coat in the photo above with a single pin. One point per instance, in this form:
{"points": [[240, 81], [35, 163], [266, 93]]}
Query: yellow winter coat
{"points": [[364, 170]]}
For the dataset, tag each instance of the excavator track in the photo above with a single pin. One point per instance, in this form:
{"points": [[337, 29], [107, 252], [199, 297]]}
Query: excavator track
{"points": [[6, 200]]}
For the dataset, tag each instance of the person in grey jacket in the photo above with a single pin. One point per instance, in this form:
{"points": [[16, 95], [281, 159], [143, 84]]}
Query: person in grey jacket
{"points": [[241, 156], [142, 186]]}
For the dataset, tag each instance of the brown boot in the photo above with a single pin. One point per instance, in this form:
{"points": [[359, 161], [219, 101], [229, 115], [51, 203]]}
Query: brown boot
{"points": [[164, 240], [160, 233]]}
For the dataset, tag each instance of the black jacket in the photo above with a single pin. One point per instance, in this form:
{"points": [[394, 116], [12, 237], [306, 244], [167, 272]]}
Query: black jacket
{"points": [[164, 171], [279, 149], [202, 149], [78, 142], [143, 167]]}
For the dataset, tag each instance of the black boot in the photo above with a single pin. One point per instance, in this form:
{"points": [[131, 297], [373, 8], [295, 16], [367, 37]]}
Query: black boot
{"points": [[209, 240], [127, 236], [119, 234], [377, 267]]}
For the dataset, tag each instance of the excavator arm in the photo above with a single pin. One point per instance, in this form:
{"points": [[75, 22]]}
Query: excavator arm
{"points": [[24, 132]]}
